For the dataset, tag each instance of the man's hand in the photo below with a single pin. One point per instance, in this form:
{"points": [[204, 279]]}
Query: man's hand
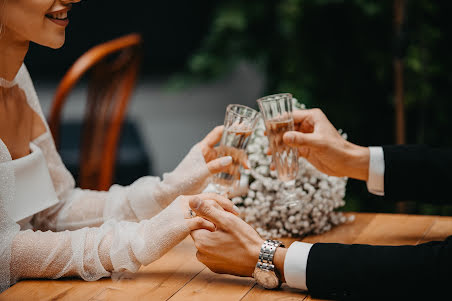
{"points": [[320, 143], [233, 248]]}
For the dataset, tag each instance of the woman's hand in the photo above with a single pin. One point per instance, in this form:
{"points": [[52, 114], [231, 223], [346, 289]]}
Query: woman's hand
{"points": [[212, 199], [210, 153], [320, 143]]}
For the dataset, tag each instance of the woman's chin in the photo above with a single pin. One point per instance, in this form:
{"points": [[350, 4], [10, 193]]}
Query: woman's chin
{"points": [[55, 42]]}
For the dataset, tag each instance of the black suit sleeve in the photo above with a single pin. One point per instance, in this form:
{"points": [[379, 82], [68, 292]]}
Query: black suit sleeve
{"points": [[363, 272], [418, 173]]}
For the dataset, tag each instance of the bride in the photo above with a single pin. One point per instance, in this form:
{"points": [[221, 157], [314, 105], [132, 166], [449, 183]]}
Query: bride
{"points": [[49, 228]]}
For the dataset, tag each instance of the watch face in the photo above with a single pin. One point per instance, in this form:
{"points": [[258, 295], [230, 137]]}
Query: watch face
{"points": [[267, 279]]}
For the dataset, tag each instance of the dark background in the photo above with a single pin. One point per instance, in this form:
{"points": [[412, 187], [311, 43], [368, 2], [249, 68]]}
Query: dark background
{"points": [[171, 31]]}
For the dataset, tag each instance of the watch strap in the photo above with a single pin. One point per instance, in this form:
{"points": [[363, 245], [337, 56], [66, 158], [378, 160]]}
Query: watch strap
{"points": [[265, 262], [267, 254]]}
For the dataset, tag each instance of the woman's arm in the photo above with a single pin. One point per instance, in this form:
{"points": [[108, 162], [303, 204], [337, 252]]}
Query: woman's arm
{"points": [[92, 253], [141, 200]]}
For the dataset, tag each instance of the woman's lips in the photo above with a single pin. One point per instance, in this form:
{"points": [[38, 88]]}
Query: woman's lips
{"points": [[59, 17], [61, 22]]}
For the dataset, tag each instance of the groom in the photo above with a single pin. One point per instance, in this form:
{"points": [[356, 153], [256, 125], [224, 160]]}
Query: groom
{"points": [[340, 271]]}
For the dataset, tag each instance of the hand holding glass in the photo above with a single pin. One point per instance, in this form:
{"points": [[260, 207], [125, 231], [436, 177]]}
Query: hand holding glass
{"points": [[239, 123]]}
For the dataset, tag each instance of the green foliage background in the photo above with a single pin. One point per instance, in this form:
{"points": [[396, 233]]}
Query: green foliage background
{"points": [[337, 55]]}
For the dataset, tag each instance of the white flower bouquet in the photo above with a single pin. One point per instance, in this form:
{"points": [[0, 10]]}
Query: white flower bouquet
{"points": [[319, 195]]}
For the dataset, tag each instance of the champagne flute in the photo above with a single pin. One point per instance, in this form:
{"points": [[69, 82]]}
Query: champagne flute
{"points": [[239, 124], [277, 112]]}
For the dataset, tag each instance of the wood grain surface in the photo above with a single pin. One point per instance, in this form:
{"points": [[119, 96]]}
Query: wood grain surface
{"points": [[179, 276]]}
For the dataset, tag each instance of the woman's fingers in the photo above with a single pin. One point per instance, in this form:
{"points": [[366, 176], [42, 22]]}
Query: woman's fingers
{"points": [[198, 222], [210, 152], [208, 143], [214, 136], [219, 165], [223, 164]]}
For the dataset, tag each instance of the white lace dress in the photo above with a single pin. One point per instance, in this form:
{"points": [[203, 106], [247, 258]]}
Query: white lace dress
{"points": [[90, 234]]}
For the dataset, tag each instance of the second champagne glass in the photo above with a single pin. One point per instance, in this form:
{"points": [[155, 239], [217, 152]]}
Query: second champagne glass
{"points": [[277, 112], [239, 124]]}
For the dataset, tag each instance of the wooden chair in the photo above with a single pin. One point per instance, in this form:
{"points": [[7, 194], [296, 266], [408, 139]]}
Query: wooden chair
{"points": [[113, 69]]}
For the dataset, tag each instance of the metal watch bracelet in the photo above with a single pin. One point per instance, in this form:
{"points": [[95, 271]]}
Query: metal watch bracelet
{"points": [[266, 255]]}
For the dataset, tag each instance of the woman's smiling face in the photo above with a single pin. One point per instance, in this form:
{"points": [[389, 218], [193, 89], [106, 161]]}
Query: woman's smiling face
{"points": [[40, 21]]}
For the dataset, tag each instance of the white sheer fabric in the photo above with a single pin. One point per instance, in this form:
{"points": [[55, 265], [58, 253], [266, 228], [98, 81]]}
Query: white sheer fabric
{"points": [[90, 233]]}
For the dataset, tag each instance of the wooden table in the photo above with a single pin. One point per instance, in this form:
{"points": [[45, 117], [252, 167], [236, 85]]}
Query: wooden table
{"points": [[179, 276]]}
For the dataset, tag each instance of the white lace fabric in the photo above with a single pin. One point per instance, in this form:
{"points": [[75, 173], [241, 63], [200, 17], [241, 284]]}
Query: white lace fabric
{"points": [[92, 233]]}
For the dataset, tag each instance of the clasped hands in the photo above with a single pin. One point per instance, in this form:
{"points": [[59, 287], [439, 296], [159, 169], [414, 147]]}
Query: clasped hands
{"points": [[216, 225]]}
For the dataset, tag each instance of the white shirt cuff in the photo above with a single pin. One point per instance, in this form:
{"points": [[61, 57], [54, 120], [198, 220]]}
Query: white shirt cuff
{"points": [[295, 265], [376, 181]]}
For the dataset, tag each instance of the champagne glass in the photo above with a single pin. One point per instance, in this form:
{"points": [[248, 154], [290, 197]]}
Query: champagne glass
{"points": [[239, 124], [277, 112]]}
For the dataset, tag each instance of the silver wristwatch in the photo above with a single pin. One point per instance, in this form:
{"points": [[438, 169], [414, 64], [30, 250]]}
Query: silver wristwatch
{"points": [[265, 273]]}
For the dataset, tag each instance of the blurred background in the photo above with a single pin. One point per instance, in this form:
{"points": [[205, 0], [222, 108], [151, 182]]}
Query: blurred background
{"points": [[380, 70]]}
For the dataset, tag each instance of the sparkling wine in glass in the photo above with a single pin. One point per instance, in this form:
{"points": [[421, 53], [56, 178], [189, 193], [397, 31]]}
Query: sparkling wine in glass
{"points": [[285, 157], [239, 124], [277, 112]]}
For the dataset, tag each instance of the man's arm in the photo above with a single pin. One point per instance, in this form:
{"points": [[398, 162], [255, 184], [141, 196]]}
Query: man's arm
{"points": [[410, 172], [366, 272], [334, 270], [417, 173], [338, 271]]}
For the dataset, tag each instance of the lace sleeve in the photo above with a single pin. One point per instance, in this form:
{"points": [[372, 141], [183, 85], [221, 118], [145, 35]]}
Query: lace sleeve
{"points": [[92, 253], [141, 200], [8, 228]]}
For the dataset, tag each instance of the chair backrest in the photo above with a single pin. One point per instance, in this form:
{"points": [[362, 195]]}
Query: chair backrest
{"points": [[113, 69]]}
